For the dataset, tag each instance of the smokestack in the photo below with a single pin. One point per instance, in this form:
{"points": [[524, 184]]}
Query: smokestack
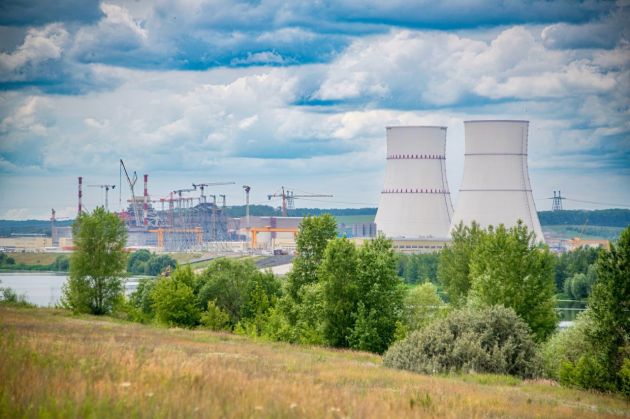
{"points": [[495, 188], [80, 195], [415, 201], [146, 200]]}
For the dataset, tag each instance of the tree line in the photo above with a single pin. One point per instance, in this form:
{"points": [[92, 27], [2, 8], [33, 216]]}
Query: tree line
{"points": [[496, 313]]}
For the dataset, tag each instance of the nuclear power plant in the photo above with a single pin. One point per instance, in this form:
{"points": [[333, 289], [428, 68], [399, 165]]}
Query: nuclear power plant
{"points": [[415, 202], [495, 187], [415, 208]]}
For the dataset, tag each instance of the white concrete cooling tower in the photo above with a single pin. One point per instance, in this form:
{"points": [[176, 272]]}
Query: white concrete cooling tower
{"points": [[495, 187], [415, 201]]}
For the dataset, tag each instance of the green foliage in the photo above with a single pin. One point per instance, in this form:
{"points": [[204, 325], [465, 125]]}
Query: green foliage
{"points": [[338, 276], [381, 294], [214, 318], [454, 262], [575, 262], [422, 305], [174, 301], [609, 305], [624, 377], [143, 262], [97, 264], [491, 340], [6, 260], [61, 264], [9, 297], [141, 299], [506, 268], [587, 372], [416, 269], [579, 286], [614, 217], [227, 283], [264, 290], [311, 242]]}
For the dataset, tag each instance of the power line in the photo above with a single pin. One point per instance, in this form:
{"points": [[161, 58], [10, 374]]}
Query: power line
{"points": [[597, 203]]}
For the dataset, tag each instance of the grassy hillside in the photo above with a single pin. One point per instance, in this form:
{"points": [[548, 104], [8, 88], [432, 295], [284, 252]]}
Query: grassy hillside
{"points": [[62, 366]]}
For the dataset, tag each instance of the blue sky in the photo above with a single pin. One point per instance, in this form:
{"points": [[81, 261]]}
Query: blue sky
{"points": [[298, 93]]}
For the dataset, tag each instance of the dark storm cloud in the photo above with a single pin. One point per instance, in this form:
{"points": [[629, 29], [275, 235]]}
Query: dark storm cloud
{"points": [[38, 12]]}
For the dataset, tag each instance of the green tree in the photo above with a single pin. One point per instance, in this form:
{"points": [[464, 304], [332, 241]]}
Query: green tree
{"points": [[609, 307], [507, 268], [227, 283], [572, 263], [157, 263], [338, 276], [454, 265], [311, 241], [98, 263], [174, 301], [422, 305], [136, 263], [381, 294]]}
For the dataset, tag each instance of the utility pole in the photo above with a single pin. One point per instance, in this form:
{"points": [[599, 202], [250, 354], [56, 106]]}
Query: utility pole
{"points": [[247, 189], [107, 188], [288, 196]]}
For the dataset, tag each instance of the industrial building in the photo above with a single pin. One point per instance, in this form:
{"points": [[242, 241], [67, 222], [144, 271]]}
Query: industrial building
{"points": [[415, 202], [495, 187]]}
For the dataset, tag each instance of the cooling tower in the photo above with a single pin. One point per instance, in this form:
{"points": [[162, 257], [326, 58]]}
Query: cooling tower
{"points": [[415, 201], [495, 187]]}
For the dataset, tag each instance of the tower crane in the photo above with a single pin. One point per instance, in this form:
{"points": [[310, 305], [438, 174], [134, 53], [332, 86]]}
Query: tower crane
{"points": [[107, 188], [134, 203], [202, 186], [288, 196]]}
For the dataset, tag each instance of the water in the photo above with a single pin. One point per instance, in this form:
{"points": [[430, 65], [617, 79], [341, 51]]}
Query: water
{"points": [[43, 289]]}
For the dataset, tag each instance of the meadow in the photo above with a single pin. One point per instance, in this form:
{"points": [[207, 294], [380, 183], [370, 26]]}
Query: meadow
{"points": [[53, 364]]}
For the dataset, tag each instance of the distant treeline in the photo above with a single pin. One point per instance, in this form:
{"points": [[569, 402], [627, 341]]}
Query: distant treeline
{"points": [[8, 227], [606, 218], [615, 217]]}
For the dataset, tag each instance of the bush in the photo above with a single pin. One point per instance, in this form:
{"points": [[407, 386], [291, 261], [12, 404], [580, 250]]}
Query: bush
{"points": [[587, 372], [491, 340], [421, 306], [141, 299], [214, 318], [174, 301], [9, 296]]}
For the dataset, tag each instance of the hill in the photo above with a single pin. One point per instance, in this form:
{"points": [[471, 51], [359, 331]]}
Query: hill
{"points": [[57, 365]]}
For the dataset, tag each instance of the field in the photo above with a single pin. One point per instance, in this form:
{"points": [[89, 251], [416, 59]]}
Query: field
{"points": [[35, 258], [56, 365], [585, 232]]}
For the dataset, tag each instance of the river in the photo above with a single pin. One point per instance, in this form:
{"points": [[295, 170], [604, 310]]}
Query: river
{"points": [[43, 288]]}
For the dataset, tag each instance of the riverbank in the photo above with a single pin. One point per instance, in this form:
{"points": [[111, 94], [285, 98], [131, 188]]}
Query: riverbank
{"points": [[59, 365]]}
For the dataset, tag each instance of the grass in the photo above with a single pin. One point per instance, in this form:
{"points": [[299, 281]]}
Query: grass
{"points": [[54, 364], [35, 258]]}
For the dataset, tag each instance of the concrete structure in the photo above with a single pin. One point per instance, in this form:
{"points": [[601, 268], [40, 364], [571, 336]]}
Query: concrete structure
{"points": [[415, 201], [34, 243], [495, 188]]}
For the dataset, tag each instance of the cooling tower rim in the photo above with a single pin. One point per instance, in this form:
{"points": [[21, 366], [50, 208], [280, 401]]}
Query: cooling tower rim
{"points": [[415, 126], [497, 120]]}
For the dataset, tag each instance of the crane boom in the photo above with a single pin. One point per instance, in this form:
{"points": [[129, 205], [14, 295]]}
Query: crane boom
{"points": [[136, 211], [288, 196]]}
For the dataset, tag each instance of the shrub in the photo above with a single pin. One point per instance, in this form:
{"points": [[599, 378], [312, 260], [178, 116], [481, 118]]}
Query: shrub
{"points": [[173, 299], [490, 340], [421, 306], [214, 318]]}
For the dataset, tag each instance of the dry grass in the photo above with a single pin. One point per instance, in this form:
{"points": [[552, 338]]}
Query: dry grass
{"points": [[35, 258], [52, 364]]}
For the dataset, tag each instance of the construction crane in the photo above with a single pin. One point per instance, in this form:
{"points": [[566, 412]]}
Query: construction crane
{"points": [[132, 183], [107, 188], [202, 186], [288, 197]]}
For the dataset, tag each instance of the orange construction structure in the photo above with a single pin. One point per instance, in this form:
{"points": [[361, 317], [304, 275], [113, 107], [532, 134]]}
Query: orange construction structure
{"points": [[255, 230], [161, 231]]}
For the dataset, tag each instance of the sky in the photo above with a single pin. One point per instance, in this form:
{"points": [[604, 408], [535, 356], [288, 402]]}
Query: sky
{"points": [[298, 94]]}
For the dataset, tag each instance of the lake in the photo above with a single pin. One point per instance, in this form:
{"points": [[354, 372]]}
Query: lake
{"points": [[44, 288]]}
